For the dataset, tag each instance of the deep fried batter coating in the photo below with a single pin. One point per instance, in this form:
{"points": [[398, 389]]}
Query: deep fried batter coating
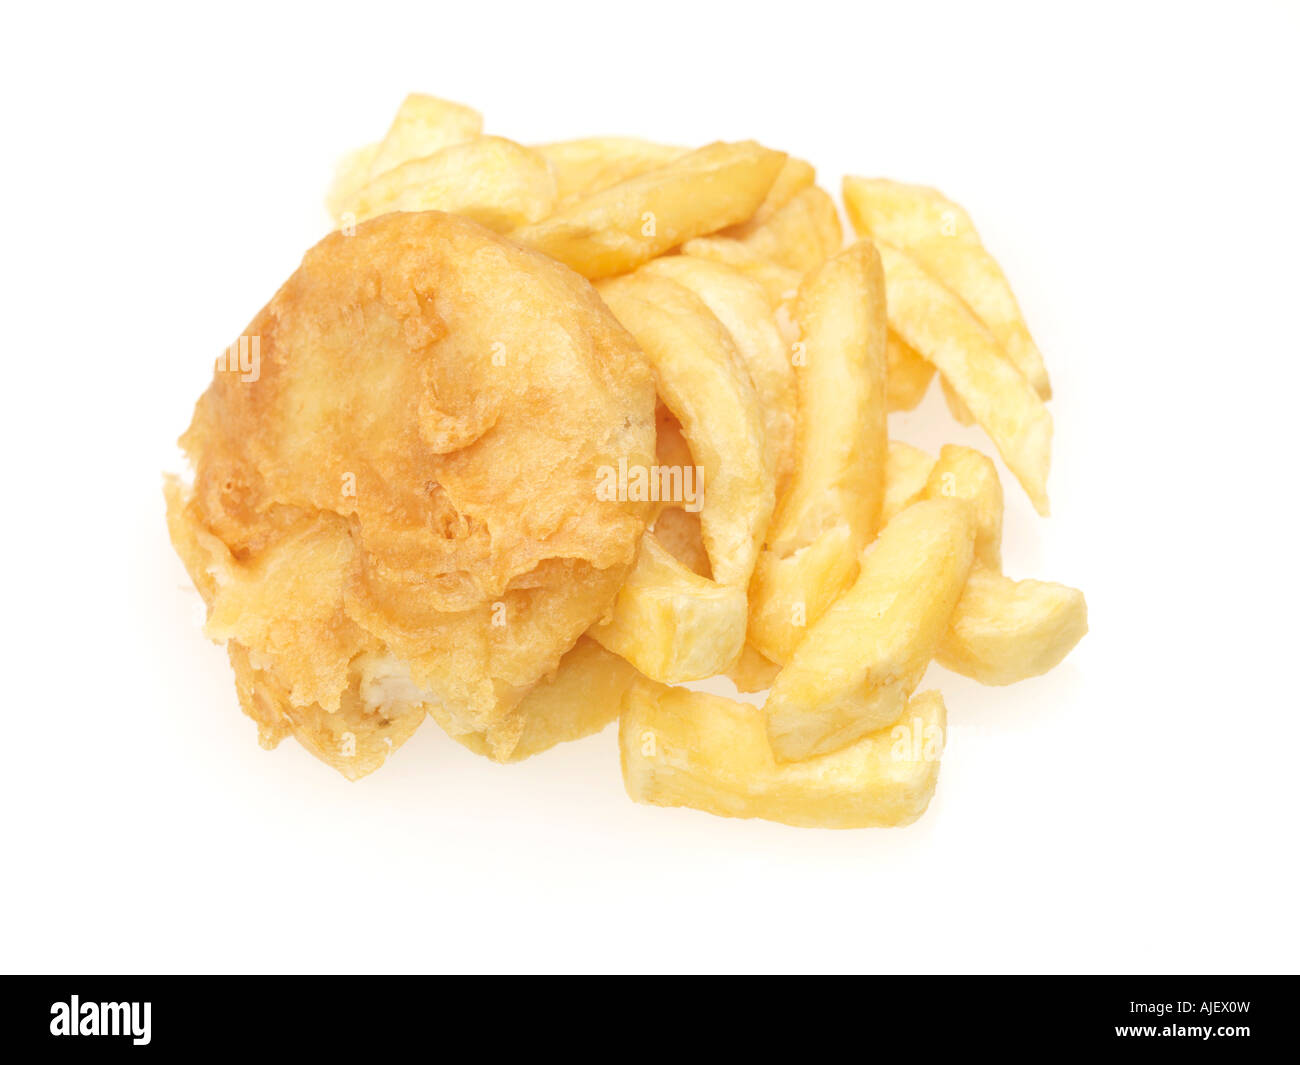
{"points": [[397, 511]]}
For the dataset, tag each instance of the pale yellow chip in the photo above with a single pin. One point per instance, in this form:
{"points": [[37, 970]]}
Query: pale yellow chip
{"points": [[687, 748], [1001, 631], [942, 329], [672, 623], [800, 235], [615, 230], [831, 508], [969, 475], [867, 653], [789, 593], [583, 696], [424, 125], [497, 183], [740, 304], [940, 236], [591, 164], [795, 176], [1004, 631], [702, 380], [779, 282]]}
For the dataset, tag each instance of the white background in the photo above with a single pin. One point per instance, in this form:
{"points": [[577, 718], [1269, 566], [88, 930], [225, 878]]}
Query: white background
{"points": [[1134, 169]]}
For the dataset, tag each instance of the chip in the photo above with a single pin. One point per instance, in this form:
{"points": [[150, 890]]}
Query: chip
{"points": [[831, 507], [688, 748], [495, 182], [943, 330], [618, 228], [865, 655], [423, 125], [1004, 631], [591, 164], [939, 235]]}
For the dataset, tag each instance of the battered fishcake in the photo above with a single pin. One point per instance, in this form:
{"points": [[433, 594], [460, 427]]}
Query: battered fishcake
{"points": [[394, 506]]}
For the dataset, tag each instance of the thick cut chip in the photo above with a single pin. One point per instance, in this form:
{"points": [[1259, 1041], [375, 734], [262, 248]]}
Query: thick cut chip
{"points": [[966, 474], [907, 470], [909, 375], [941, 328], [703, 382], [424, 125], [789, 593], [779, 282], [1004, 631], [688, 748], [862, 659], [831, 507], [740, 304], [1001, 631], [800, 235], [495, 182], [615, 230], [406, 466], [670, 622], [591, 164], [795, 176], [585, 694], [939, 235]]}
